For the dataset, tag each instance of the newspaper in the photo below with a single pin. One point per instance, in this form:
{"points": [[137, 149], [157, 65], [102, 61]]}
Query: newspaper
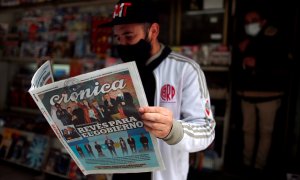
{"points": [[95, 116]]}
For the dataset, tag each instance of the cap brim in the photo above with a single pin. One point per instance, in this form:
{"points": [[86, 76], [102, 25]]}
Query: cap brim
{"points": [[137, 19]]}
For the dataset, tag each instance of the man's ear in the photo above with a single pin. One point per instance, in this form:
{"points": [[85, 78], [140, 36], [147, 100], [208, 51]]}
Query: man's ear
{"points": [[154, 31]]}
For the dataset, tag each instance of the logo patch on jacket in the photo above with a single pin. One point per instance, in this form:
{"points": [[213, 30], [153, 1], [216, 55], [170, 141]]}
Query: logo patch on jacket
{"points": [[208, 110], [167, 93]]}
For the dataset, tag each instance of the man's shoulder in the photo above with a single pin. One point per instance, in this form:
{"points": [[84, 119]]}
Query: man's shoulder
{"points": [[176, 59], [179, 57]]}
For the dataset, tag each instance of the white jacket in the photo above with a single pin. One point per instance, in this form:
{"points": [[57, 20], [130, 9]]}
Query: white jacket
{"points": [[181, 87]]}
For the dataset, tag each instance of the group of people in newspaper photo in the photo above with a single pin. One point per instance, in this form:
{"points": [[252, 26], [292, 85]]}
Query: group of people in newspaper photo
{"points": [[110, 146], [85, 111]]}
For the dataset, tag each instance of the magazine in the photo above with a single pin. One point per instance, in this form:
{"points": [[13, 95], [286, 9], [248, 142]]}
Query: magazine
{"points": [[23, 148], [96, 118]]}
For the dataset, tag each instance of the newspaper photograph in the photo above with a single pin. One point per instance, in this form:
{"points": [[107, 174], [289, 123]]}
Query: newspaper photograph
{"points": [[96, 118]]}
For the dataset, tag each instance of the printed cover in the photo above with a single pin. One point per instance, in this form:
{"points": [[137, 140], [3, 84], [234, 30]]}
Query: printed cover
{"points": [[96, 118], [24, 148]]}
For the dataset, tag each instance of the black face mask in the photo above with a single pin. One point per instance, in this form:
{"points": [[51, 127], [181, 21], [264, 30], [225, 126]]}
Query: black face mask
{"points": [[139, 52]]}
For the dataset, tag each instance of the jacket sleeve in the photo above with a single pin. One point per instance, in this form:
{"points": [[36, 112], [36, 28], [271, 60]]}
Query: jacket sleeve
{"points": [[195, 130]]}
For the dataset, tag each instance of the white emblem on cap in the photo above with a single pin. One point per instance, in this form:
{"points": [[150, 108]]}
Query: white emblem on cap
{"points": [[120, 9]]}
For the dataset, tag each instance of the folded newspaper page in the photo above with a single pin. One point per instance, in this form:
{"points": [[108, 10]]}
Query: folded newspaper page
{"points": [[43, 76], [96, 118]]}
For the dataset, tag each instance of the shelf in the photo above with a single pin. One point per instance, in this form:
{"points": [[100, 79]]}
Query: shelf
{"points": [[20, 112], [25, 110], [220, 93], [215, 68], [57, 3], [219, 119], [27, 60], [205, 11], [56, 174], [20, 164]]}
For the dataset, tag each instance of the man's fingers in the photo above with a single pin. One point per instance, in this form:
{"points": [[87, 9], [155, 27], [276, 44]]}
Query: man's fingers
{"points": [[156, 126], [157, 120], [160, 133], [154, 109], [151, 116]]}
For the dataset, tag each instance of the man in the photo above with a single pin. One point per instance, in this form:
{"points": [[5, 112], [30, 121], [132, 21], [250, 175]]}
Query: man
{"points": [[63, 115], [79, 113], [260, 79], [80, 151], [72, 133], [73, 117], [90, 113], [179, 114], [131, 143], [102, 112], [88, 148], [112, 106], [99, 149], [123, 146], [125, 100], [110, 144], [144, 141]]}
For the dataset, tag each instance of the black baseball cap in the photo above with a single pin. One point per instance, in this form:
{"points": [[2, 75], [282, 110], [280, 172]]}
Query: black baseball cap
{"points": [[133, 11]]}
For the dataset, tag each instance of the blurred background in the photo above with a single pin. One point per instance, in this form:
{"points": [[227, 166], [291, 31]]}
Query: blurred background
{"points": [[208, 31]]}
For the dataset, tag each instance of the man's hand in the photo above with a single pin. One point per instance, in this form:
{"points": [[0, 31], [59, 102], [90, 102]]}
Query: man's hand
{"points": [[157, 120]]}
